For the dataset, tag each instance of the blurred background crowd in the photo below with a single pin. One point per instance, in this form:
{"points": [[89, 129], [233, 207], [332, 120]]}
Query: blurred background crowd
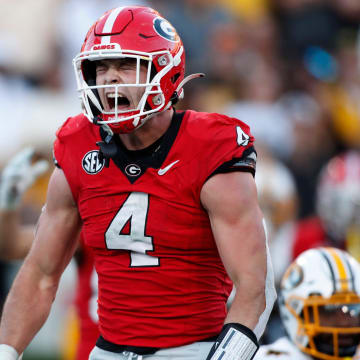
{"points": [[288, 68]]}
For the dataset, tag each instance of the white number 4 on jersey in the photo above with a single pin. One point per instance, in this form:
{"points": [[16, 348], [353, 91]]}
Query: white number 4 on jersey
{"points": [[133, 210], [242, 138]]}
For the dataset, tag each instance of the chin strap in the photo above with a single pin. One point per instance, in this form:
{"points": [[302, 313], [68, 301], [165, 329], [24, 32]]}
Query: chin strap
{"points": [[108, 147], [108, 131]]}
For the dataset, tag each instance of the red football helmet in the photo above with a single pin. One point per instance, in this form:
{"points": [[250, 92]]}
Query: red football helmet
{"points": [[338, 194], [138, 33]]}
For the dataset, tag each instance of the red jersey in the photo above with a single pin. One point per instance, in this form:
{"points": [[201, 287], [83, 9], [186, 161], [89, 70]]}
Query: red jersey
{"points": [[310, 233], [161, 280]]}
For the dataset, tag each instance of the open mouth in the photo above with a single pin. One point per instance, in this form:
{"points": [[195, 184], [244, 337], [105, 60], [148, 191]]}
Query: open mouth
{"points": [[123, 102]]}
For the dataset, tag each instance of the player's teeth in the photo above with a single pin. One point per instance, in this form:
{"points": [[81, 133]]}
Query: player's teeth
{"points": [[113, 96]]}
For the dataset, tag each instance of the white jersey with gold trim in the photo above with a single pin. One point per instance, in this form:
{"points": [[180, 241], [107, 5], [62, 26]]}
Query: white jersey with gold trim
{"points": [[281, 349], [284, 349]]}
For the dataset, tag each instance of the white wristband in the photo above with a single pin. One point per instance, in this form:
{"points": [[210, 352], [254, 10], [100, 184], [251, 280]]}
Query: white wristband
{"points": [[234, 342], [7, 352]]}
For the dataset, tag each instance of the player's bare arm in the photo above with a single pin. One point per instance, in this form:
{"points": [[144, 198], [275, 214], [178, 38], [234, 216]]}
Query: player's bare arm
{"points": [[35, 286], [236, 221], [237, 225]]}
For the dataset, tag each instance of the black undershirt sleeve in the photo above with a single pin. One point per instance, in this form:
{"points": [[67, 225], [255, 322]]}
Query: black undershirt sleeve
{"points": [[246, 163]]}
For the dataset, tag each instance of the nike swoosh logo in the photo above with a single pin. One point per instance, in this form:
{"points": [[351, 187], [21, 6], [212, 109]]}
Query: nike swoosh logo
{"points": [[167, 168]]}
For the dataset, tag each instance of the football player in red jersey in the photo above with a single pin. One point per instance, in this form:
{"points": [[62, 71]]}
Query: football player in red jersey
{"points": [[15, 242], [165, 200]]}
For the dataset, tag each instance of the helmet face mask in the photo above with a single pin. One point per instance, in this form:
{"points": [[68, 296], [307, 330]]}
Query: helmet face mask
{"points": [[143, 36], [319, 303], [345, 317]]}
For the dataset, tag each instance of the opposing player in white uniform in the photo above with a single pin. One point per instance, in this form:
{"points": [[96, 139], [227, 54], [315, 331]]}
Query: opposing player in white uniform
{"points": [[319, 304]]}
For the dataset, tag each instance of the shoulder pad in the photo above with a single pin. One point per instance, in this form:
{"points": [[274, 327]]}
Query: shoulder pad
{"points": [[72, 125], [204, 124]]}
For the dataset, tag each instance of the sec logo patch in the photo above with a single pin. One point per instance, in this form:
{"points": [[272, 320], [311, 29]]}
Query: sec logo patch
{"points": [[91, 163]]}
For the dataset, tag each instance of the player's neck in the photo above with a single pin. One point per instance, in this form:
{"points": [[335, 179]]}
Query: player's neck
{"points": [[147, 134]]}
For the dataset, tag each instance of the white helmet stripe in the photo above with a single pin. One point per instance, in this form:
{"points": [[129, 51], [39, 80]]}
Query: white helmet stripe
{"points": [[109, 23], [340, 270], [351, 274]]}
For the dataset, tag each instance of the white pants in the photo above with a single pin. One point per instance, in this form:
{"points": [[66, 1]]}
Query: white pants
{"points": [[195, 351]]}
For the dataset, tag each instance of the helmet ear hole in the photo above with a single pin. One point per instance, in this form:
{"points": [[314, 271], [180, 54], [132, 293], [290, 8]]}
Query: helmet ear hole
{"points": [[174, 78], [153, 72]]}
